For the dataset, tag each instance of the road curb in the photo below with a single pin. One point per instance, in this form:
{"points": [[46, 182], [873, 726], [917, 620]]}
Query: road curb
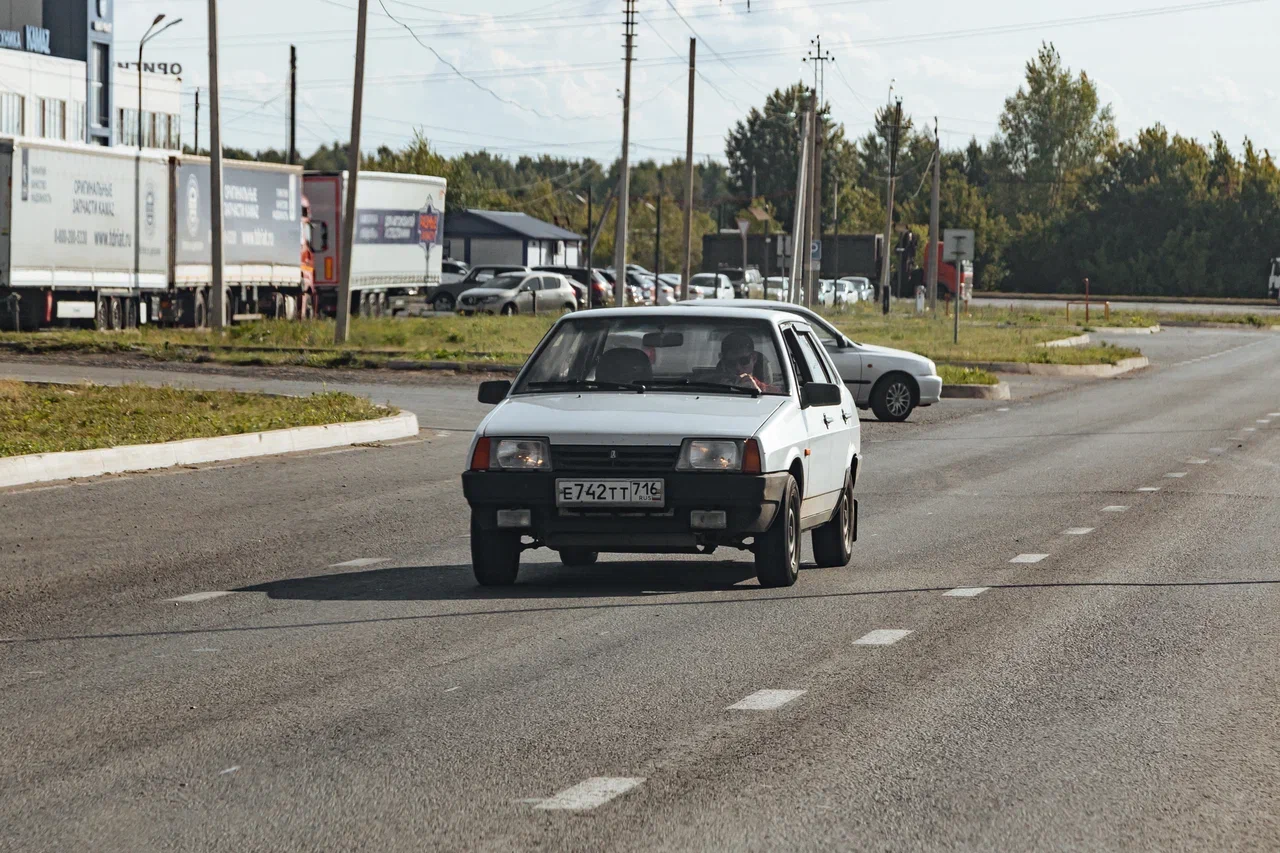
{"points": [[1074, 341], [1127, 330], [1238, 327], [999, 391], [459, 366], [74, 464], [1098, 371]]}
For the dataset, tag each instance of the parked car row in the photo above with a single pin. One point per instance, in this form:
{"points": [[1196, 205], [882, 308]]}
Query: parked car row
{"points": [[836, 293]]}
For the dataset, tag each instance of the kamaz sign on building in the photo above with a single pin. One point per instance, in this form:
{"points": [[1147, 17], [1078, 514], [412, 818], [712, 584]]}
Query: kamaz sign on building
{"points": [[34, 39]]}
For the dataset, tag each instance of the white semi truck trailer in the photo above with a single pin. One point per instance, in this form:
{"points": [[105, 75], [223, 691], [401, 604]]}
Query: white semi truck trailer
{"points": [[399, 238], [112, 237]]}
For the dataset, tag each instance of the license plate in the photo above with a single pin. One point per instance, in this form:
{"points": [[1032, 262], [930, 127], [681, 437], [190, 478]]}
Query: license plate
{"points": [[645, 493]]}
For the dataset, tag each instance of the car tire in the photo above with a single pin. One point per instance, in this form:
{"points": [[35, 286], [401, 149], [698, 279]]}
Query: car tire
{"points": [[577, 557], [833, 541], [495, 555], [894, 397], [778, 548], [443, 303], [567, 308], [508, 309]]}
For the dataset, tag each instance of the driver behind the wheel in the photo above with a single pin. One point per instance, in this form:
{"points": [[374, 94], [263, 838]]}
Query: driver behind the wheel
{"points": [[742, 364]]}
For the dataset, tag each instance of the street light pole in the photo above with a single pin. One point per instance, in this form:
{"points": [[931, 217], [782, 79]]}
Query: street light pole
{"points": [[147, 36]]}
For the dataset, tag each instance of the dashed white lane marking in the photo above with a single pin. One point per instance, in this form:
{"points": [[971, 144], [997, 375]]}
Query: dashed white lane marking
{"points": [[1176, 475], [1114, 508], [204, 650], [881, 637], [359, 561], [1077, 531], [1250, 429], [1028, 558], [1197, 461], [591, 793], [1273, 414], [966, 591], [201, 596], [232, 769], [451, 689], [766, 700], [1003, 409], [1217, 450], [1146, 489]]}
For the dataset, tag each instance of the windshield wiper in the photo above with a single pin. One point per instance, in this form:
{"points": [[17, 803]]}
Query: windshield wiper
{"points": [[708, 386], [586, 384]]}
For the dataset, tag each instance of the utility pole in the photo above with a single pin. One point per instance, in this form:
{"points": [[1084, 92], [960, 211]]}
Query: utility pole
{"points": [[931, 276], [815, 200], [819, 60], [657, 236], [624, 182], [799, 243], [835, 218], [888, 224], [588, 263], [687, 270], [195, 148], [217, 305], [353, 174], [292, 156]]}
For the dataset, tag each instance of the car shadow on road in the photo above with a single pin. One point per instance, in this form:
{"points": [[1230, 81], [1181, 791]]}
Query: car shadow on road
{"points": [[537, 580]]}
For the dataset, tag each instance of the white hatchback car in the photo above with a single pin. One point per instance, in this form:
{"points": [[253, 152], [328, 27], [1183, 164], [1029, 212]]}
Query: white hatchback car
{"points": [[890, 382], [667, 430]]}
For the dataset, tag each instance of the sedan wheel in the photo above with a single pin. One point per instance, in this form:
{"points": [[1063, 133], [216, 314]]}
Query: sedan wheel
{"points": [[893, 398], [778, 549], [508, 309], [443, 303]]}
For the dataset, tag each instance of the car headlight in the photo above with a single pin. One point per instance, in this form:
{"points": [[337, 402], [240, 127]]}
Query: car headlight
{"points": [[710, 454], [520, 454], [933, 369]]}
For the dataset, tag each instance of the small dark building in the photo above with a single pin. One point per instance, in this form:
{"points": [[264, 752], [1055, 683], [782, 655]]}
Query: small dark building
{"points": [[502, 237]]}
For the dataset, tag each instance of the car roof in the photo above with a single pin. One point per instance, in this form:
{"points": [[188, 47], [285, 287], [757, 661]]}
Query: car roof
{"points": [[748, 312]]}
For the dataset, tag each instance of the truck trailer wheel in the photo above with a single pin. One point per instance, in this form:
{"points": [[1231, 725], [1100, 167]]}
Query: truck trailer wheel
{"points": [[115, 319], [199, 311], [101, 314]]}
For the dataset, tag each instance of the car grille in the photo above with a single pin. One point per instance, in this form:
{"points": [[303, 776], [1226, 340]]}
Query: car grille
{"points": [[574, 457], [469, 300]]}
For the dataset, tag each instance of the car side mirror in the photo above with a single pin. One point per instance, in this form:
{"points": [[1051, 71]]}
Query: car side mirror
{"points": [[817, 394], [495, 391], [526, 288]]}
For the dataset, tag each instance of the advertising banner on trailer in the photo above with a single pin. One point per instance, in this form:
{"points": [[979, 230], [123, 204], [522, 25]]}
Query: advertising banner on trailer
{"points": [[262, 221]]}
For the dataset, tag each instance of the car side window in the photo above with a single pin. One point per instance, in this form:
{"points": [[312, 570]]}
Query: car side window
{"points": [[824, 361], [800, 364], [809, 352]]}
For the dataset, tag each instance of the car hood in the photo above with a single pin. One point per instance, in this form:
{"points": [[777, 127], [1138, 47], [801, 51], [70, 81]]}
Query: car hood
{"points": [[921, 365], [605, 417], [487, 291]]}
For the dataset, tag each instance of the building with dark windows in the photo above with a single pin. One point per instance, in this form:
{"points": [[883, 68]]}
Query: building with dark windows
{"points": [[60, 78]]}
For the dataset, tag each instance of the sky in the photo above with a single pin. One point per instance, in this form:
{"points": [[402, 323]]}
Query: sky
{"points": [[547, 75]]}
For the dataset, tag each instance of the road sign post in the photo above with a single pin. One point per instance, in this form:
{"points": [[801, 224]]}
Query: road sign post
{"points": [[957, 244], [743, 226]]}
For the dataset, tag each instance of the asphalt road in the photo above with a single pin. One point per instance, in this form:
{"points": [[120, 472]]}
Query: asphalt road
{"points": [[1116, 693]]}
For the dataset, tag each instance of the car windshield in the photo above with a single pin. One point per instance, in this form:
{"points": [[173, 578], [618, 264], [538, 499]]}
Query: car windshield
{"points": [[703, 354], [703, 280]]}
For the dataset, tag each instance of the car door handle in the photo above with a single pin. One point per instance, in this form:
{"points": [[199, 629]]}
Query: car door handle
{"points": [[844, 415], [826, 419]]}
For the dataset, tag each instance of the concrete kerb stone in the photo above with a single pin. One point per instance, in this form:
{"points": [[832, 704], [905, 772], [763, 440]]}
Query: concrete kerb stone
{"points": [[1075, 341], [46, 467], [1127, 330], [1097, 371], [457, 366], [999, 391]]}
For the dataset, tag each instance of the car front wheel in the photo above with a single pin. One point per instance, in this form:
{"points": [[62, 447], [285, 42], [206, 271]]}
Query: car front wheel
{"points": [[578, 557], [778, 548], [893, 398], [495, 555], [443, 303]]}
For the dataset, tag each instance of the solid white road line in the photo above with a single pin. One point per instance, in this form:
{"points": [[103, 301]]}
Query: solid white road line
{"points": [[881, 637], [966, 591], [591, 793], [1028, 558], [1114, 508], [359, 561], [1147, 489], [1077, 531], [1176, 475], [766, 700], [201, 596]]}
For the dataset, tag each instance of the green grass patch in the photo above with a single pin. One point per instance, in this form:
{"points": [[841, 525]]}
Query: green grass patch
{"points": [[987, 334], [52, 418], [953, 375]]}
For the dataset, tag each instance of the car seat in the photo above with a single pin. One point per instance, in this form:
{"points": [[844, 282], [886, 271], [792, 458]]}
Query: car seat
{"points": [[624, 365]]}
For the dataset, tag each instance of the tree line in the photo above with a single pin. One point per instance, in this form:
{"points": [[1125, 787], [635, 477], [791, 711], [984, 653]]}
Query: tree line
{"points": [[1054, 196]]}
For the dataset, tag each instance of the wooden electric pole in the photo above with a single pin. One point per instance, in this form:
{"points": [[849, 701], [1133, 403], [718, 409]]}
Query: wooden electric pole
{"points": [[293, 106], [687, 269], [218, 296], [624, 181], [931, 277], [353, 174]]}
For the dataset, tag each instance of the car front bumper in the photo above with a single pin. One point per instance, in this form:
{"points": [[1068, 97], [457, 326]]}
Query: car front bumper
{"points": [[749, 503], [930, 389]]}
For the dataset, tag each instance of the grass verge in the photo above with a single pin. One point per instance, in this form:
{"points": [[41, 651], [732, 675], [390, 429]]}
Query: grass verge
{"points": [[53, 418], [953, 375]]}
